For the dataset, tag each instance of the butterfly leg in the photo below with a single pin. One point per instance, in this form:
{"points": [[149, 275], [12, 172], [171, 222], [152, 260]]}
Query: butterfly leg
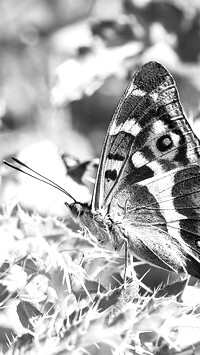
{"points": [[125, 261], [119, 240]]}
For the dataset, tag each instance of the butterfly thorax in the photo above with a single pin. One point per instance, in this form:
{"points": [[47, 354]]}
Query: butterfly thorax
{"points": [[99, 224]]}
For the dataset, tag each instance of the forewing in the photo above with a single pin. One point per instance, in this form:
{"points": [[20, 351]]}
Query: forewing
{"points": [[148, 135]]}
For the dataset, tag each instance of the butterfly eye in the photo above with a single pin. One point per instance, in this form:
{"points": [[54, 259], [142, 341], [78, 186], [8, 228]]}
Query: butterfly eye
{"points": [[164, 143]]}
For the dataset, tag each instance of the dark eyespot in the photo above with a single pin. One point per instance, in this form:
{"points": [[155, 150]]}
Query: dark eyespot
{"points": [[197, 242], [164, 143], [111, 174]]}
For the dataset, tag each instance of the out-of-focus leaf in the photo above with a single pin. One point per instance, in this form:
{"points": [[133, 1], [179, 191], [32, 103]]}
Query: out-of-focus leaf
{"points": [[30, 266], [116, 32], [19, 20], [180, 18], [12, 280], [15, 278], [23, 343], [167, 319], [191, 296], [6, 338], [78, 170], [83, 75], [28, 314]]}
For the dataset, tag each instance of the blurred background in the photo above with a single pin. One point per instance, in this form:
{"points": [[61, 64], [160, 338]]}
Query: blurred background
{"points": [[64, 66]]}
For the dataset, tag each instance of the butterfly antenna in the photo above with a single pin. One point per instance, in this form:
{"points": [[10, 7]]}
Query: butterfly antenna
{"points": [[38, 176]]}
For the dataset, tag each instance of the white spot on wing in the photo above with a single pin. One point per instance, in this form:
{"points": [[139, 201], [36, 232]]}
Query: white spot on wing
{"points": [[133, 90], [162, 191], [130, 88], [139, 92], [156, 167], [154, 96], [138, 159], [129, 126], [159, 127], [175, 138]]}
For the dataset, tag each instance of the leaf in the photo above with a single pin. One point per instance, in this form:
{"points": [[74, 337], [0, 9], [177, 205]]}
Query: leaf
{"points": [[174, 289], [28, 314], [82, 76], [117, 298], [23, 343], [78, 170], [92, 287]]}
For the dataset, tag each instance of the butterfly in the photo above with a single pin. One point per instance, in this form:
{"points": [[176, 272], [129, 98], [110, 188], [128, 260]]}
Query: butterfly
{"points": [[146, 197]]}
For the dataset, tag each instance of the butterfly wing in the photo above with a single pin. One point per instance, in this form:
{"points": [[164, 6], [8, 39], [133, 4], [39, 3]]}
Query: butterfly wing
{"points": [[148, 134], [149, 172]]}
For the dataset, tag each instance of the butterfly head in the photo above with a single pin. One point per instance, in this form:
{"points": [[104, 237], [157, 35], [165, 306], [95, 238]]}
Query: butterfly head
{"points": [[77, 209], [96, 223]]}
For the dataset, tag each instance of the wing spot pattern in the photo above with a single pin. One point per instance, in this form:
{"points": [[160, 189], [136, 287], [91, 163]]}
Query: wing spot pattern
{"points": [[197, 242], [115, 156], [130, 126], [138, 159], [138, 92], [111, 175], [164, 143], [133, 90]]}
